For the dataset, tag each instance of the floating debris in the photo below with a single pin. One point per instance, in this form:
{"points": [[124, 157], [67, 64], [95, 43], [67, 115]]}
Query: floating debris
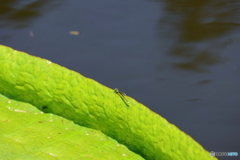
{"points": [[31, 33], [76, 33]]}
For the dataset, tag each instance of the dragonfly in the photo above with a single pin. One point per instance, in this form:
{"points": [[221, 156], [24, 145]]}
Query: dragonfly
{"points": [[122, 95]]}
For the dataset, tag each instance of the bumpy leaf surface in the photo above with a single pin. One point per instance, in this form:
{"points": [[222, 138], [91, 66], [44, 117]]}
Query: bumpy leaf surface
{"points": [[60, 91], [27, 133]]}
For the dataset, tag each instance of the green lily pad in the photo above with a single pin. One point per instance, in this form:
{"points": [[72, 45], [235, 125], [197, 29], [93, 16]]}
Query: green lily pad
{"points": [[27, 133], [55, 89]]}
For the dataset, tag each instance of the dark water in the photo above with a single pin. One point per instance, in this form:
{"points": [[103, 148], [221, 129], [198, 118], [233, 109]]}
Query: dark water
{"points": [[179, 58]]}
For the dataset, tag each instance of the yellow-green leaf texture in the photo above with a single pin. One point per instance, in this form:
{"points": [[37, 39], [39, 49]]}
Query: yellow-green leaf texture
{"points": [[55, 89], [27, 133]]}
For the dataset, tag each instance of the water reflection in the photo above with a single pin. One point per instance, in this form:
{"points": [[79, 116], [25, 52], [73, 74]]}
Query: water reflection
{"points": [[199, 28], [195, 60], [19, 14]]}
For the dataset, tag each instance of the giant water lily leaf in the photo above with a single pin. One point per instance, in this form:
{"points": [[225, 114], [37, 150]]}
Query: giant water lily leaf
{"points": [[27, 133], [57, 90]]}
